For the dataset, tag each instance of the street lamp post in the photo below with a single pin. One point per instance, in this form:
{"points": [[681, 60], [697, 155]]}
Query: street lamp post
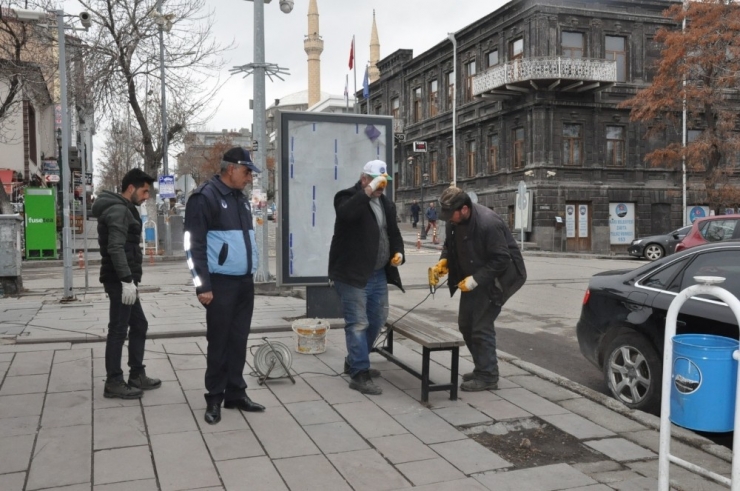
{"points": [[164, 25], [260, 69]]}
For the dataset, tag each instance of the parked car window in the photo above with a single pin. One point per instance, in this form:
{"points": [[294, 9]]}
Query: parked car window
{"points": [[681, 232], [719, 263], [719, 230], [662, 279]]}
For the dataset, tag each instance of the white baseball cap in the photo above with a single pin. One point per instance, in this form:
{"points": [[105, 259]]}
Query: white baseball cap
{"points": [[376, 168]]}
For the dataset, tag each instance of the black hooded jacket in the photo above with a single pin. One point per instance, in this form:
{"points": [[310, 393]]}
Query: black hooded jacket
{"points": [[354, 246], [119, 236], [492, 252]]}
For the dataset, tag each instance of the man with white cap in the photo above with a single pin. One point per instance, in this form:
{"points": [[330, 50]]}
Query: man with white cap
{"points": [[365, 253]]}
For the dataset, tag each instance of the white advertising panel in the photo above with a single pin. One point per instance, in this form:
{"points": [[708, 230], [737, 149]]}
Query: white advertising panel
{"points": [[570, 221], [583, 221], [621, 223]]}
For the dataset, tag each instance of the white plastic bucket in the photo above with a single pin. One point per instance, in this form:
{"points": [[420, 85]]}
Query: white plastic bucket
{"points": [[310, 335]]}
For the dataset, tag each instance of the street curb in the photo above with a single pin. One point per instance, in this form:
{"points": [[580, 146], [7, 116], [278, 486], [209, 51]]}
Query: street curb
{"points": [[649, 420], [573, 255], [43, 263]]}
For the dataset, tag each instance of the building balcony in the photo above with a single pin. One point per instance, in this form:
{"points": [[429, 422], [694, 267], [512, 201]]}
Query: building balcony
{"points": [[549, 73]]}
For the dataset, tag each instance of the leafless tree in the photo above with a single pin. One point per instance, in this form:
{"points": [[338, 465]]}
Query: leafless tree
{"points": [[121, 152], [123, 66]]}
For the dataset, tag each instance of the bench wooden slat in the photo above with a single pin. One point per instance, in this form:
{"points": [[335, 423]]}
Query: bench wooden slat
{"points": [[418, 330]]}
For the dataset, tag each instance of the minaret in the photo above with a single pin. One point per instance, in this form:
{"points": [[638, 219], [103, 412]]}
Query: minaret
{"points": [[314, 45], [373, 73]]}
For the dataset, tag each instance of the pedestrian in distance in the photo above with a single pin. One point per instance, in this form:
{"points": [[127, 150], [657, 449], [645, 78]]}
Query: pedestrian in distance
{"points": [[119, 237], [485, 264], [415, 210], [432, 217], [366, 251], [222, 255]]}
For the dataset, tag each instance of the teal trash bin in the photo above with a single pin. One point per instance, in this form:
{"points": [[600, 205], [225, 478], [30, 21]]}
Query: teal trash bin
{"points": [[703, 382]]}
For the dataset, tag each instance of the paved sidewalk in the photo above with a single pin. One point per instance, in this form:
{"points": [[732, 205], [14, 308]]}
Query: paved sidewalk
{"points": [[58, 432]]}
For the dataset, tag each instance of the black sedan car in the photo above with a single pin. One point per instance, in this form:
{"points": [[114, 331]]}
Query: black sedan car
{"points": [[657, 246], [623, 317]]}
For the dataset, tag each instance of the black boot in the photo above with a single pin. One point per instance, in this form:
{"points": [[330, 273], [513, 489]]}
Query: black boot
{"points": [[120, 389], [364, 384]]}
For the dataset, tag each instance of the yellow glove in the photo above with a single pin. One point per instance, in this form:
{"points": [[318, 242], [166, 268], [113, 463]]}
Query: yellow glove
{"points": [[441, 268], [397, 259], [467, 284]]}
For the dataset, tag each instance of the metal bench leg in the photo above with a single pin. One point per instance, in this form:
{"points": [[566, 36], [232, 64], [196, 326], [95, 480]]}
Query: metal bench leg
{"points": [[453, 366], [425, 374], [389, 341]]}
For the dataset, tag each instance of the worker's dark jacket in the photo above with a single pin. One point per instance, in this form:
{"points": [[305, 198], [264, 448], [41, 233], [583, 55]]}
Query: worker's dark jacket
{"points": [[219, 236], [354, 246], [493, 254], [119, 237]]}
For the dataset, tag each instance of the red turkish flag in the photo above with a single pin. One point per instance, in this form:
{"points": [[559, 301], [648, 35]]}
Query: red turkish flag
{"points": [[352, 54]]}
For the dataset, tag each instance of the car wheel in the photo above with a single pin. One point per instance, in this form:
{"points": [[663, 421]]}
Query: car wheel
{"points": [[653, 252], [632, 371]]}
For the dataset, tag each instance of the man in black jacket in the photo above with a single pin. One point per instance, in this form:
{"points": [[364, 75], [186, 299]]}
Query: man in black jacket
{"points": [[365, 253], [484, 262], [119, 237]]}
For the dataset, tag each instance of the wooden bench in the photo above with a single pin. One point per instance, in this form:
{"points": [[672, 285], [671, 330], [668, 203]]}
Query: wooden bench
{"points": [[431, 339]]}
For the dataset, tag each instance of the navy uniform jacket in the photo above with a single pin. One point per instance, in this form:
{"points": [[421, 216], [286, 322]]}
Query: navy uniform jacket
{"points": [[219, 237]]}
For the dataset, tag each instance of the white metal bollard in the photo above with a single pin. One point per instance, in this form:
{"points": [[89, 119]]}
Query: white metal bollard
{"points": [[706, 286]]}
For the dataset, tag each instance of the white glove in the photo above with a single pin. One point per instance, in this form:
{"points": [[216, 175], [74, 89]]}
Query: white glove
{"points": [[467, 284], [128, 295], [397, 259], [378, 182]]}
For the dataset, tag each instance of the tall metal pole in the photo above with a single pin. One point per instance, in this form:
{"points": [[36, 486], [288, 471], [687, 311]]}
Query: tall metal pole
{"points": [[66, 236], [452, 38], [165, 167], [683, 137], [263, 269]]}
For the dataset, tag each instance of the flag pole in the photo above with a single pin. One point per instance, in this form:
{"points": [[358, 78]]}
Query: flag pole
{"points": [[346, 95], [354, 67]]}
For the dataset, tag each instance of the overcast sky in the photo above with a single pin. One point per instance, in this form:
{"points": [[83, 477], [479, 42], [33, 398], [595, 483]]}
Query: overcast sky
{"points": [[409, 24], [402, 24]]}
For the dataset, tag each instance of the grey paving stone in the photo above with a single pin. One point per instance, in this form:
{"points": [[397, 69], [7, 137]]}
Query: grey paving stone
{"points": [[545, 478], [67, 409], [280, 435], [599, 467], [601, 415], [145, 485], [615, 476], [21, 405], [436, 399], [25, 348], [369, 420], [6, 357], [183, 462], [429, 427], [310, 473], [119, 427], [180, 347], [539, 406], [288, 392], [62, 456], [264, 396], [543, 388], [593, 487], [169, 392], [401, 379], [100, 402], [24, 384], [313, 412], [160, 368], [398, 449], [469, 456], [253, 474], [429, 471], [16, 453], [577, 426], [462, 415], [394, 401], [228, 445], [650, 439], [367, 470], [12, 482], [507, 370], [192, 379], [71, 371], [188, 361], [335, 390], [335, 437], [680, 478], [502, 410], [636, 484], [620, 449], [302, 365], [19, 426], [37, 363], [478, 398], [74, 487], [172, 418], [469, 484], [195, 399], [122, 464]]}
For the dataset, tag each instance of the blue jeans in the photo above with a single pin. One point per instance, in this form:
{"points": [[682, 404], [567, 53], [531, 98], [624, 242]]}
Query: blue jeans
{"points": [[476, 319], [365, 313]]}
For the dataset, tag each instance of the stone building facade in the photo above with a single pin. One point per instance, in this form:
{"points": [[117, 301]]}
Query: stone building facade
{"points": [[537, 86]]}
